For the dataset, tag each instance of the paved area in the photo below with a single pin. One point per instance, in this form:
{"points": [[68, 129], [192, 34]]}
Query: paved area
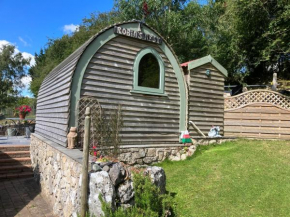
{"points": [[22, 198], [13, 140]]}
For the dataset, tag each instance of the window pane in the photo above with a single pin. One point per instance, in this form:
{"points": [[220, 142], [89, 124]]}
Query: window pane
{"points": [[149, 72]]}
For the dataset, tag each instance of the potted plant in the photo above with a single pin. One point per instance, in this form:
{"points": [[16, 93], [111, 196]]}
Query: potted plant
{"points": [[23, 111]]}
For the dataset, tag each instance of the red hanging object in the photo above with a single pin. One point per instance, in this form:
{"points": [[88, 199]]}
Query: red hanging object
{"points": [[145, 8]]}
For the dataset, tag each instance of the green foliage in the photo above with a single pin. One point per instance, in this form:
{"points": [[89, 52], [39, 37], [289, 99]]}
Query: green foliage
{"points": [[116, 124], [250, 38], [25, 101], [148, 201], [12, 69], [58, 49], [256, 37]]}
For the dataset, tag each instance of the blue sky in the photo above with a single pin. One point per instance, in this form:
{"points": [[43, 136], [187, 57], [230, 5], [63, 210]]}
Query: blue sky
{"points": [[28, 24]]}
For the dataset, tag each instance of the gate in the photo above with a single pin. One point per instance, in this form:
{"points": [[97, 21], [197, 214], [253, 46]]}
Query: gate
{"points": [[257, 114]]}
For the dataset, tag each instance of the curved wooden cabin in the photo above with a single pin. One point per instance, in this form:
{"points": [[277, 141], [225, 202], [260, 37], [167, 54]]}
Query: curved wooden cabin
{"points": [[112, 67]]}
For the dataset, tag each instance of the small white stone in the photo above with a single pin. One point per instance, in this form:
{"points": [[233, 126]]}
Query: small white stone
{"points": [[183, 157]]}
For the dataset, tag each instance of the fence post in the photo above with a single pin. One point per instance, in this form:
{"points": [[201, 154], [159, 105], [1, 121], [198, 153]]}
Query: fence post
{"points": [[84, 187]]}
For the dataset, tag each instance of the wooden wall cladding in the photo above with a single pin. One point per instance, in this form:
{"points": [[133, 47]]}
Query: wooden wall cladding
{"points": [[266, 116], [206, 100], [53, 101], [148, 119]]}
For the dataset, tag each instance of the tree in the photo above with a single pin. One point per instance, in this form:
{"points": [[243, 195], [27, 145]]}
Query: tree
{"points": [[258, 34], [12, 69], [250, 38], [58, 49]]}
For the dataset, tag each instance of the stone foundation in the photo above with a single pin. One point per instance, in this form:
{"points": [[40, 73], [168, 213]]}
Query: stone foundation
{"points": [[58, 170], [58, 173], [144, 155], [141, 156]]}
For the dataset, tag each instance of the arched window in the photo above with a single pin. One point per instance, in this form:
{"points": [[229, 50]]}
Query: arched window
{"points": [[148, 73]]}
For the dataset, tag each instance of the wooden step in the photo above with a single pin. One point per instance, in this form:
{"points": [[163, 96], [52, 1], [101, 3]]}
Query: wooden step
{"points": [[4, 177], [5, 148], [14, 154], [15, 161]]}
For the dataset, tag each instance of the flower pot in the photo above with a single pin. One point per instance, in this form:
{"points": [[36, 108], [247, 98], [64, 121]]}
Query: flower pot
{"points": [[27, 132], [22, 116], [11, 131]]}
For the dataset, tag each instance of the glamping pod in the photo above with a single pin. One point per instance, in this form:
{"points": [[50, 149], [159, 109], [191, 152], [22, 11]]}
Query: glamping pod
{"points": [[127, 64], [205, 79]]}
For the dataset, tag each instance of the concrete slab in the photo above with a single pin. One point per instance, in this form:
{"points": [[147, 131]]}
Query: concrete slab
{"points": [[13, 140]]}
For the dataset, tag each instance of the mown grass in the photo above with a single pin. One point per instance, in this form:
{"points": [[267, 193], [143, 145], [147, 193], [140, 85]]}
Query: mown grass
{"points": [[240, 178]]}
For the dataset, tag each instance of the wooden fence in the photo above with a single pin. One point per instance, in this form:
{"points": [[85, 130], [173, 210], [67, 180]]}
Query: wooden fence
{"points": [[257, 114]]}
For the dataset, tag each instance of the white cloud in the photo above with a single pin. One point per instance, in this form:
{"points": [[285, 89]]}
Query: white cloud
{"points": [[23, 41], [28, 55], [25, 54], [26, 80], [3, 42], [70, 28]]}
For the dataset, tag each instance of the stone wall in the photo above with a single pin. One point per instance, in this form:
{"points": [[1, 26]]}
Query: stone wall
{"points": [[58, 173], [58, 170], [147, 156], [114, 182], [198, 140]]}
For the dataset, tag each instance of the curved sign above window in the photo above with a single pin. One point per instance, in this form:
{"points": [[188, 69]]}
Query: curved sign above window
{"points": [[148, 73]]}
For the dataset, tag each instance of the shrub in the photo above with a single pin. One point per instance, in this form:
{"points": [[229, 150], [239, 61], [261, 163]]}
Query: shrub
{"points": [[148, 201]]}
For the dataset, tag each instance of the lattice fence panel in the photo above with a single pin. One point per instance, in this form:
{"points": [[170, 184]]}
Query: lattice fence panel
{"points": [[96, 114], [257, 96]]}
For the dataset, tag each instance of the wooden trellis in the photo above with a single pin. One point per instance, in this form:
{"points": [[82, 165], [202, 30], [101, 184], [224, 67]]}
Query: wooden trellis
{"points": [[257, 96], [96, 111]]}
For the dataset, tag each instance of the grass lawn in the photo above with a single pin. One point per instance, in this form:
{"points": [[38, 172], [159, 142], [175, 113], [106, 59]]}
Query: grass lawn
{"points": [[240, 178]]}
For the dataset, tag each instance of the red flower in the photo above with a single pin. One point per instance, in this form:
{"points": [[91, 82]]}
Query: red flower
{"points": [[24, 109]]}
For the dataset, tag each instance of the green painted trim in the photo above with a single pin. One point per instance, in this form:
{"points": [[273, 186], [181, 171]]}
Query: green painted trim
{"points": [[77, 79], [83, 62], [205, 60], [146, 90], [96, 44], [148, 93], [182, 86]]}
